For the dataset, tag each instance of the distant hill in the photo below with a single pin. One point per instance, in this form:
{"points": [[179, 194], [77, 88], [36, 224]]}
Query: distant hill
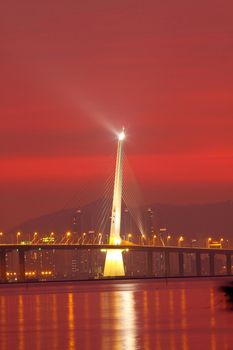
{"points": [[196, 220]]}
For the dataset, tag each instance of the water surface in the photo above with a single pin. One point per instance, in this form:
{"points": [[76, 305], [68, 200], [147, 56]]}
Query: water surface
{"points": [[144, 314]]}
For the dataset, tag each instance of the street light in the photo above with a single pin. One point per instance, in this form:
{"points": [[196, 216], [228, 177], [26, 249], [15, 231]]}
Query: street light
{"points": [[17, 236], [143, 237], [168, 239], [68, 235], [51, 238], [129, 236], [1, 234], [180, 240], [154, 239], [209, 240], [221, 241]]}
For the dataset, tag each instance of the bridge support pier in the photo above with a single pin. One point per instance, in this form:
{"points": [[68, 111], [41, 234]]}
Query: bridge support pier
{"points": [[21, 265], [150, 263], [198, 264], [212, 267], [167, 264], [181, 264], [228, 264], [3, 266]]}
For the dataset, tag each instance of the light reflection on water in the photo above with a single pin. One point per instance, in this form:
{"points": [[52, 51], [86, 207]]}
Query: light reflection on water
{"points": [[37, 322], [126, 315], [183, 318], [54, 321], [71, 326], [21, 332], [3, 323], [172, 344], [157, 320], [212, 319]]}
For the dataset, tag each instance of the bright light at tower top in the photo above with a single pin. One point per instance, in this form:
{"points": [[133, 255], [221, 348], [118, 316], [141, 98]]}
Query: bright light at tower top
{"points": [[122, 135]]}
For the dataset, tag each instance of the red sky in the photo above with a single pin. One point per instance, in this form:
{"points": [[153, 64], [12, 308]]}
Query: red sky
{"points": [[73, 71]]}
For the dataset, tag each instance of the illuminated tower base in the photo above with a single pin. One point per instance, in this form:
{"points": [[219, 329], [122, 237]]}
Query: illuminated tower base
{"points": [[114, 265]]}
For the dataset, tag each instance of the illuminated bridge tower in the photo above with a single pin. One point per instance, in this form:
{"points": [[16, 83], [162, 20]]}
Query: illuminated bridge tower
{"points": [[114, 262]]}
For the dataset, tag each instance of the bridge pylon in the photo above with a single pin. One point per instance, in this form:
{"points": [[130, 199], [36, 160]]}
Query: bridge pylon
{"points": [[114, 265]]}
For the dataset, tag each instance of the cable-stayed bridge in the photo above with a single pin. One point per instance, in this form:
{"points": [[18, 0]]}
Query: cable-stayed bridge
{"points": [[157, 261], [119, 256]]}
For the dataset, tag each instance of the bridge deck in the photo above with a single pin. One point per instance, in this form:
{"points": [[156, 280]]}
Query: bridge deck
{"points": [[63, 246]]}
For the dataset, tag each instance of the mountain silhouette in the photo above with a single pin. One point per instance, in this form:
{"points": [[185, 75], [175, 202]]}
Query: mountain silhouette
{"points": [[193, 220]]}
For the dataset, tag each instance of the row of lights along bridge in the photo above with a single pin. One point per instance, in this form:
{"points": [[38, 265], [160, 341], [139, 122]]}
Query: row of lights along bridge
{"points": [[92, 238]]}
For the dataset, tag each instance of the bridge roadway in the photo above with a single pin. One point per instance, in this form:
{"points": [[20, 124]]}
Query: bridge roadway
{"points": [[134, 247], [197, 251]]}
